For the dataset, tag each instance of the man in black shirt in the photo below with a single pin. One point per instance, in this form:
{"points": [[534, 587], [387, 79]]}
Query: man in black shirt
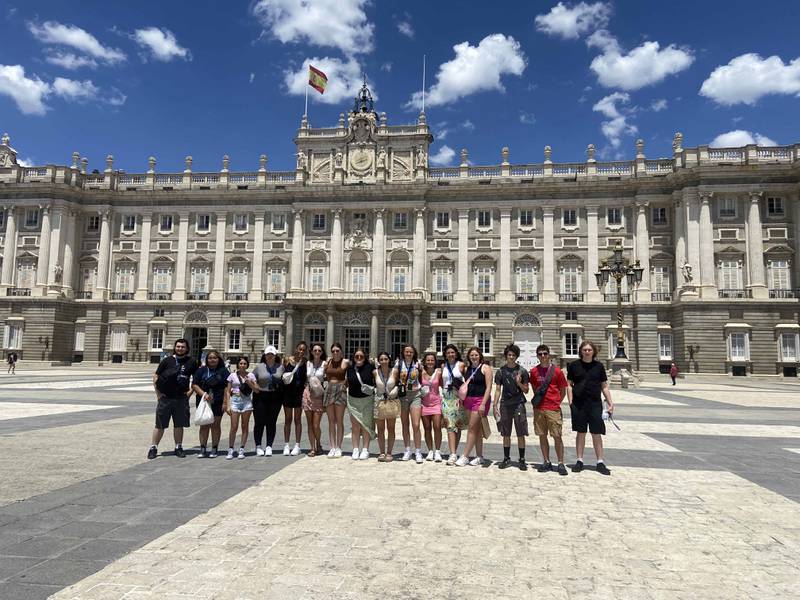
{"points": [[171, 382], [511, 384], [589, 384]]}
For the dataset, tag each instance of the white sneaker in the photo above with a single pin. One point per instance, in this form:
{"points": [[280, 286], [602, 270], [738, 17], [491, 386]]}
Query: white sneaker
{"points": [[259, 451], [230, 454], [338, 453], [451, 460], [364, 454], [286, 450], [296, 450], [332, 453], [476, 462], [355, 453], [407, 454], [268, 451], [418, 457], [437, 456], [462, 462], [241, 452], [430, 455]]}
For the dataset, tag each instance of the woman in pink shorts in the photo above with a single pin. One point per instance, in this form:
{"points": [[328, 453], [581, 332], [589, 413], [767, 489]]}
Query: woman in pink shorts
{"points": [[431, 378], [477, 403]]}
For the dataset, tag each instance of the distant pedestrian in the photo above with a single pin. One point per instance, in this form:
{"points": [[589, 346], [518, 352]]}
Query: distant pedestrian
{"points": [[12, 363], [209, 384], [171, 382], [239, 404], [673, 372], [547, 418]]}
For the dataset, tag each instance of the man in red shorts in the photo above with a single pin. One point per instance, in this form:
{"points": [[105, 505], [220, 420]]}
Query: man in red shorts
{"points": [[547, 416]]}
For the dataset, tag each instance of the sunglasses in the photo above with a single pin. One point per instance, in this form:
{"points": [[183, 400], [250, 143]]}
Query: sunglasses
{"points": [[542, 353]]}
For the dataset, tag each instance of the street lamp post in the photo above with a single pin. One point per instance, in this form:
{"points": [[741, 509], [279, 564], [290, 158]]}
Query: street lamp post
{"points": [[619, 270]]}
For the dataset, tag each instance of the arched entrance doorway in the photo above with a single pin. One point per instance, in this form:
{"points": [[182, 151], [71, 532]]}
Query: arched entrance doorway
{"points": [[527, 335], [195, 329]]}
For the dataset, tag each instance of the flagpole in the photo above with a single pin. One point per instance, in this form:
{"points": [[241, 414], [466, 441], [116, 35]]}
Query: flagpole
{"points": [[423, 83], [305, 111]]}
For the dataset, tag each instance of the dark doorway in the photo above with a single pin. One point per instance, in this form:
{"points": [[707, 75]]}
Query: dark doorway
{"points": [[198, 339]]}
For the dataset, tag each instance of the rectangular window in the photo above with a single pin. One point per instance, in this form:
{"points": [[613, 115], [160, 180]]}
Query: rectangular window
{"points": [[240, 222], [272, 337], [661, 280], [274, 313], [234, 339], [775, 207], [440, 341], [738, 347], [788, 345], [526, 218], [315, 335], [571, 343], [484, 280], [659, 215], [237, 279], [483, 340], [203, 223], [125, 279], [730, 275], [570, 280], [119, 338], [236, 313], [80, 337], [727, 208], [200, 280], [92, 223], [318, 222], [162, 279], [26, 274], [484, 218], [156, 339], [129, 223], [441, 281], [358, 279], [441, 314], [526, 279], [276, 278], [569, 217], [400, 221], [165, 223], [32, 217], [665, 346], [483, 315], [571, 315], [2, 217], [354, 338], [779, 278], [614, 216], [279, 223], [442, 220], [12, 336], [399, 279], [158, 312], [317, 279]]}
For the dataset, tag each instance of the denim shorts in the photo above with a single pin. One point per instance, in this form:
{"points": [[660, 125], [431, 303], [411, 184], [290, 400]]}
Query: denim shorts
{"points": [[240, 404]]}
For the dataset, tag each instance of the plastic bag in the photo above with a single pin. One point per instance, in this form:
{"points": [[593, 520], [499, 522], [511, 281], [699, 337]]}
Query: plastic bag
{"points": [[203, 415]]}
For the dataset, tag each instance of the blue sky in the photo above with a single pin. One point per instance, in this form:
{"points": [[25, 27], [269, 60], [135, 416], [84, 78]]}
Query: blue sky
{"points": [[204, 78]]}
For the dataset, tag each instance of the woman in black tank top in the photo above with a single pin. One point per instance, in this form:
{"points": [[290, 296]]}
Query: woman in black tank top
{"points": [[477, 403]]}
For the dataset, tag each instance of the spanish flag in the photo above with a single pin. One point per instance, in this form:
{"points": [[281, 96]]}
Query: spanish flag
{"points": [[317, 79]]}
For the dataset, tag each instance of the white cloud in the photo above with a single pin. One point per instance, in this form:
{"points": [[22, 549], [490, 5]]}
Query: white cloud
{"points": [[442, 131], [70, 61], [616, 124], [116, 98], [659, 105], [386, 67], [28, 93], [644, 65], [526, 118], [161, 44], [740, 137], [252, 77], [474, 69], [72, 89], [572, 22], [338, 24], [748, 77], [444, 156], [404, 27], [344, 80], [468, 125], [25, 162], [58, 34]]}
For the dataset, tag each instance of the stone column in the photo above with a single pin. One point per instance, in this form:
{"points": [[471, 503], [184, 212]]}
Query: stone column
{"points": [[796, 259], [548, 258], [755, 249], [642, 251], [679, 228], [105, 255], [256, 292], [373, 333], [379, 253], [505, 293], [43, 264], [56, 251], [415, 329], [297, 252], [462, 291], [9, 249], [70, 254], [144, 257], [419, 250], [707, 267], [593, 294], [691, 211], [183, 246], [218, 290], [330, 327], [289, 333], [337, 250]]}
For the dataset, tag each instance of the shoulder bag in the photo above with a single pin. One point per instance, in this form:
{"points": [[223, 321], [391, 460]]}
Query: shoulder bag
{"points": [[539, 394]]}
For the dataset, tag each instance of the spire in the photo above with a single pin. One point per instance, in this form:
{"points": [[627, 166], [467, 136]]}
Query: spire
{"points": [[364, 102]]}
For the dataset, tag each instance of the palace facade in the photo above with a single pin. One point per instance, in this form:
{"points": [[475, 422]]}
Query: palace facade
{"points": [[367, 244]]}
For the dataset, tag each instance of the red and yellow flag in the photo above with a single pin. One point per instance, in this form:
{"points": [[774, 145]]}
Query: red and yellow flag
{"points": [[317, 79]]}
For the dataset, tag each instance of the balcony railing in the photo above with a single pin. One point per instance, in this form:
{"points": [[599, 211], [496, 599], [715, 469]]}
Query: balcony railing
{"points": [[613, 297], [735, 293], [570, 297], [81, 295], [483, 297], [15, 291], [527, 297], [442, 297], [661, 297], [345, 295], [274, 296], [236, 295], [784, 293], [159, 295], [122, 295], [197, 296]]}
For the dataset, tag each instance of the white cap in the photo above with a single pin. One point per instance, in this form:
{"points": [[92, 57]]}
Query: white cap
{"points": [[271, 350]]}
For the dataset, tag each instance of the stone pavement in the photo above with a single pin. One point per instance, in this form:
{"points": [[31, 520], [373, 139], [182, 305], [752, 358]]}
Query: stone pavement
{"points": [[702, 502]]}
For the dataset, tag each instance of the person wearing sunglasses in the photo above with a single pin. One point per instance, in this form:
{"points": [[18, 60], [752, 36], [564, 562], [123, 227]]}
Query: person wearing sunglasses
{"points": [[361, 403], [547, 417], [589, 382]]}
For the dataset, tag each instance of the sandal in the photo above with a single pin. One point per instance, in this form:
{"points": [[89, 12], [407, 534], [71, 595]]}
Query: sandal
{"points": [[312, 453], [381, 458], [389, 458]]}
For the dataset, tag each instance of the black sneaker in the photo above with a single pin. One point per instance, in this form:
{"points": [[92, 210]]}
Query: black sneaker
{"points": [[545, 467], [179, 452], [577, 467], [562, 470], [603, 469], [505, 463], [152, 453], [523, 466]]}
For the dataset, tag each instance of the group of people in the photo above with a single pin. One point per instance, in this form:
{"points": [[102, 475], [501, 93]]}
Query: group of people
{"points": [[426, 394]]}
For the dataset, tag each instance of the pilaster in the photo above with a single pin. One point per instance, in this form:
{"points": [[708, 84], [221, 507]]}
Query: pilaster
{"points": [[144, 257], [217, 290], [297, 252], [548, 257], [593, 294], [462, 291], [755, 248], [505, 294], [183, 246], [43, 264]]}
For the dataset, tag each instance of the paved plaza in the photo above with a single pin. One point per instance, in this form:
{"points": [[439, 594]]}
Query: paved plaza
{"points": [[702, 502]]}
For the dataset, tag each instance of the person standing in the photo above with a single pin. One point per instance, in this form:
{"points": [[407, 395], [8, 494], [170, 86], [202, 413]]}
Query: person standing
{"points": [[294, 376], [335, 399], [547, 417], [431, 379], [361, 403], [312, 398], [209, 383], [387, 406], [511, 385], [12, 363], [239, 404], [171, 382], [673, 372], [476, 403], [267, 399], [455, 418], [589, 384], [406, 374]]}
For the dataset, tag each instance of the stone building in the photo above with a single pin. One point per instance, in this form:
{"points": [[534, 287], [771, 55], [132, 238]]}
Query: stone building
{"points": [[366, 244]]}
